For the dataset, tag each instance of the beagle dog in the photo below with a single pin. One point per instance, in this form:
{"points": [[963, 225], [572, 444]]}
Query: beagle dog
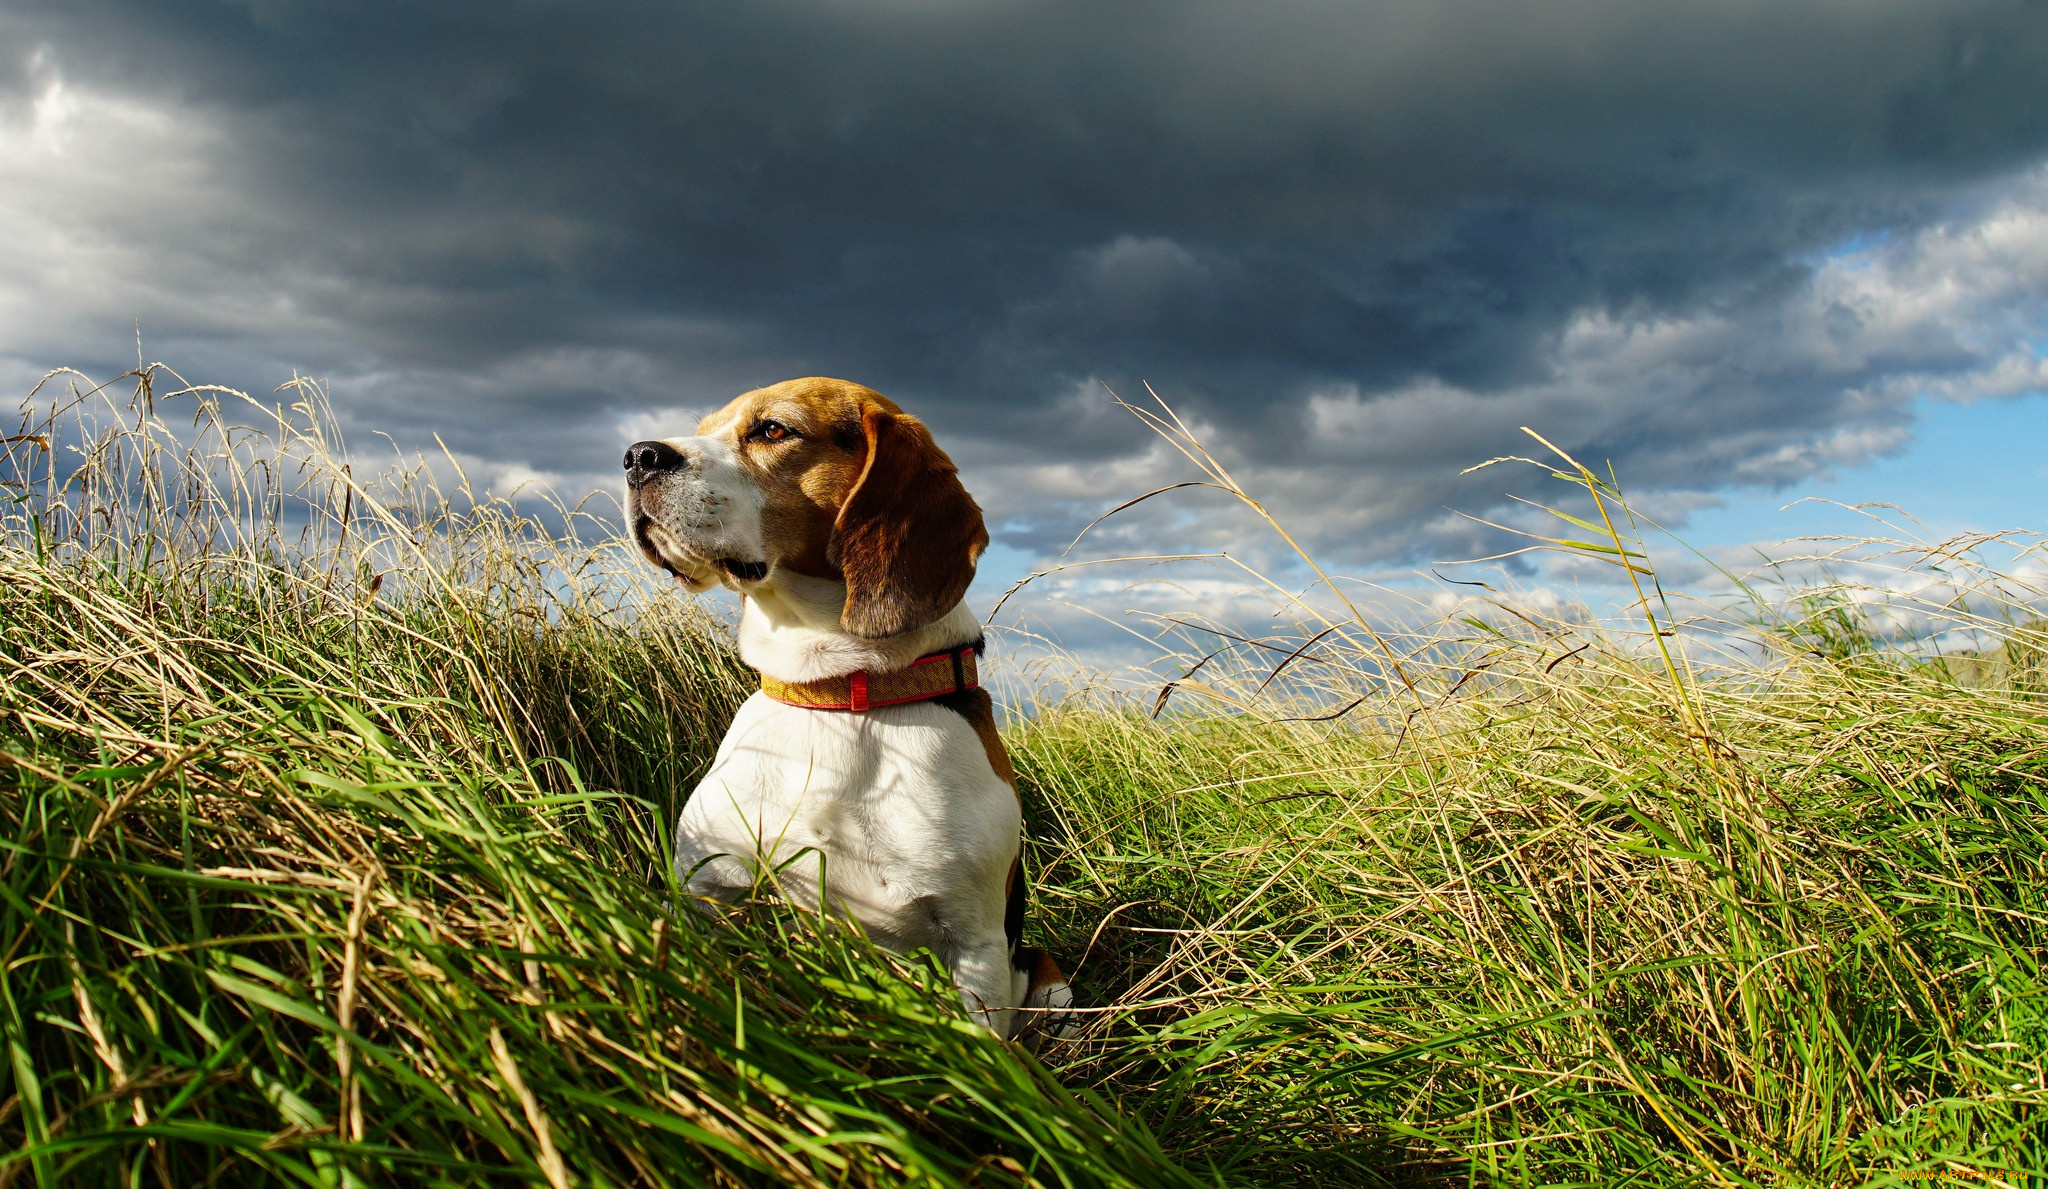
{"points": [[867, 769]]}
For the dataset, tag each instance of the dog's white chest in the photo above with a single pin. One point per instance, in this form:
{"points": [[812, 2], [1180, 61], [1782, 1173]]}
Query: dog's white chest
{"points": [[897, 810]]}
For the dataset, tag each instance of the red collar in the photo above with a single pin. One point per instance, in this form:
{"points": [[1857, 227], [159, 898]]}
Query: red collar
{"points": [[933, 675]]}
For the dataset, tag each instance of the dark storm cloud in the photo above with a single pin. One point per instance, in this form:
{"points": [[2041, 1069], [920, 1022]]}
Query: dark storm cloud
{"points": [[1362, 242]]}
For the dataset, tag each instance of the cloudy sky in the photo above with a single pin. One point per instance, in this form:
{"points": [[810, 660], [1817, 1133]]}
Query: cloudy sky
{"points": [[1740, 250]]}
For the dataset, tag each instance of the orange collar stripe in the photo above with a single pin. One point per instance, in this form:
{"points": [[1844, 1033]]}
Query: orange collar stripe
{"points": [[928, 677]]}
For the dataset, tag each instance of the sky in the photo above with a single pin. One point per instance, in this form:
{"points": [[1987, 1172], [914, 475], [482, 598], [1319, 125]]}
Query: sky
{"points": [[1742, 252]]}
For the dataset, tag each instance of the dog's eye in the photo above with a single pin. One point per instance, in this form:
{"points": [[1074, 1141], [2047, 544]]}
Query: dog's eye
{"points": [[773, 431]]}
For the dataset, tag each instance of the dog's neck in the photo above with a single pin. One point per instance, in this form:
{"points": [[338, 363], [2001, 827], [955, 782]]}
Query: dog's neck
{"points": [[789, 629]]}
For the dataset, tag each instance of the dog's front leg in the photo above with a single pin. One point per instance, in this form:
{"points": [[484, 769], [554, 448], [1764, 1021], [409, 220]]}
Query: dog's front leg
{"points": [[981, 971], [708, 876]]}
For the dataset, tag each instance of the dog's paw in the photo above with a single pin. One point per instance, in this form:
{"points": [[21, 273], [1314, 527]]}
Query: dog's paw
{"points": [[1044, 1000]]}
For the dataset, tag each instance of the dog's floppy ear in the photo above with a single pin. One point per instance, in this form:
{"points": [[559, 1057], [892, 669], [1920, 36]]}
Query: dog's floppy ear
{"points": [[908, 535]]}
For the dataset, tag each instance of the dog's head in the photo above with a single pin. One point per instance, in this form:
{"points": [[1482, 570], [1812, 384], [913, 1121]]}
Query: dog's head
{"points": [[817, 477]]}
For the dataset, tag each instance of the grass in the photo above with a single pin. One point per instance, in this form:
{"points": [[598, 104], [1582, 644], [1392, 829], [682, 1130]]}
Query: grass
{"points": [[335, 819]]}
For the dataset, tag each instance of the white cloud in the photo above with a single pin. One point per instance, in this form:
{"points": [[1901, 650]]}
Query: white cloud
{"points": [[1743, 393], [114, 209]]}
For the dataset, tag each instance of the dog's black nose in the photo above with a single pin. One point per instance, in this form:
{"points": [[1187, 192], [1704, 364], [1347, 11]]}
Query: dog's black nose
{"points": [[645, 460]]}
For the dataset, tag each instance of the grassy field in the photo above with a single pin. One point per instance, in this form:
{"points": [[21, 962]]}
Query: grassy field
{"points": [[335, 819]]}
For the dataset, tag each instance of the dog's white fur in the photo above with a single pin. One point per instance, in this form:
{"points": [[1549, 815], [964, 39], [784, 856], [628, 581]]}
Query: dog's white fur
{"points": [[790, 629], [896, 814]]}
